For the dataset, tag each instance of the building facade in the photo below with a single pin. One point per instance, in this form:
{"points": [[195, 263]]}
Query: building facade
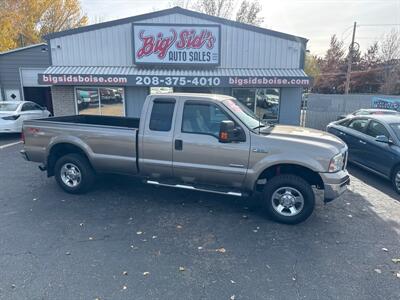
{"points": [[110, 68], [19, 69]]}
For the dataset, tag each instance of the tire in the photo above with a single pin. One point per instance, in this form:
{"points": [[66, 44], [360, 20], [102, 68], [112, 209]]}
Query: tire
{"points": [[81, 178], [281, 192], [396, 186]]}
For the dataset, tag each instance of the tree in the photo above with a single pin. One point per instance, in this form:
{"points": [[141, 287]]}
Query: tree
{"points": [[30, 20], [249, 12], [331, 79], [218, 8], [390, 55], [311, 66]]}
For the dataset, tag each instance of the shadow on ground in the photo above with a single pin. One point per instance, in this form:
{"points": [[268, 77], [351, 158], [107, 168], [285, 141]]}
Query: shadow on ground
{"points": [[379, 183]]}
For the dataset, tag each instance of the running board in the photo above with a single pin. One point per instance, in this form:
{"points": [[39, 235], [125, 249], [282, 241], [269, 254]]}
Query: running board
{"points": [[189, 187]]}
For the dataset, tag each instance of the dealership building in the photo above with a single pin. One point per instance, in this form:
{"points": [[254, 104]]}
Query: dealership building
{"points": [[110, 68]]}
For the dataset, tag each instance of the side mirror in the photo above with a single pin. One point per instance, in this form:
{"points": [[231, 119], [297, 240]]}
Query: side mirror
{"points": [[382, 139], [226, 131]]}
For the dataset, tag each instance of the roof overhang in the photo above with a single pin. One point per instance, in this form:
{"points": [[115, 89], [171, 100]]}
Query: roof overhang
{"points": [[133, 76]]}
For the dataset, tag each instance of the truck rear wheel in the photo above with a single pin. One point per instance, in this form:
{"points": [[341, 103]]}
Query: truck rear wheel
{"points": [[74, 174], [288, 199]]}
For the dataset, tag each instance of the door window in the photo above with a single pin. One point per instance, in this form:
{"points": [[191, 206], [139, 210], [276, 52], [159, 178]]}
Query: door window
{"points": [[376, 128], [359, 125], [162, 114], [202, 118]]}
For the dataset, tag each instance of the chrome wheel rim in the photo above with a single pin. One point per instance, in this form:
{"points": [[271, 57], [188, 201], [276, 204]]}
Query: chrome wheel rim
{"points": [[288, 201], [397, 180], [71, 175]]}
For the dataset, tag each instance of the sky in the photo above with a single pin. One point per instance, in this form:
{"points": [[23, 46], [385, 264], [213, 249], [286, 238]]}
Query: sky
{"points": [[315, 20]]}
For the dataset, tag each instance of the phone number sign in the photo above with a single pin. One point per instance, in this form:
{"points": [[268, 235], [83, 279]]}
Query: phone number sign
{"points": [[181, 44]]}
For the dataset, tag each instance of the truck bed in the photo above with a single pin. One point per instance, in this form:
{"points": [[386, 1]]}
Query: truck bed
{"points": [[108, 142], [97, 120]]}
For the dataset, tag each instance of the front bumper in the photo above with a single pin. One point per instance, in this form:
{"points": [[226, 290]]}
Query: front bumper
{"points": [[335, 184]]}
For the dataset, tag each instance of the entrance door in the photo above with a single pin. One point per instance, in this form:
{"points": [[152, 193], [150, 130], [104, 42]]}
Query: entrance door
{"points": [[199, 157]]}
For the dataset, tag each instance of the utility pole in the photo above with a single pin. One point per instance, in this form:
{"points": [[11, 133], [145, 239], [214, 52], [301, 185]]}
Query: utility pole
{"points": [[349, 61]]}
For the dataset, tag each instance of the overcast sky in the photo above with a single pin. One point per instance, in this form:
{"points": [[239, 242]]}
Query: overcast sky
{"points": [[315, 20]]}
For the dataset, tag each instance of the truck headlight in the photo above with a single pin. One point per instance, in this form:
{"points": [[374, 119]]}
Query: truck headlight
{"points": [[336, 163]]}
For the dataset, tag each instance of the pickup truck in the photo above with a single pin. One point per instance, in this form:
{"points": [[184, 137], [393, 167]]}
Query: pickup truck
{"points": [[201, 142]]}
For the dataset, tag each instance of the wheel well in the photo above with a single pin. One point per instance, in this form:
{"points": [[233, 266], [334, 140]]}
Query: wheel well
{"points": [[312, 177], [58, 151], [393, 170]]}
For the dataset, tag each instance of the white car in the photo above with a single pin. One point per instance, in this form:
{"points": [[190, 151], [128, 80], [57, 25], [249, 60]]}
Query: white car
{"points": [[13, 114]]}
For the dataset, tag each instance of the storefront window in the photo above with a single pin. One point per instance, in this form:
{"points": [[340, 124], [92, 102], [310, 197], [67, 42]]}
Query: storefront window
{"points": [[264, 102], [106, 101]]}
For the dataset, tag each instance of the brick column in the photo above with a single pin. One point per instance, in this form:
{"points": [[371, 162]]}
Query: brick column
{"points": [[63, 100]]}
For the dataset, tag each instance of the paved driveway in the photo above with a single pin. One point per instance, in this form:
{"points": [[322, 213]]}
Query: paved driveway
{"points": [[126, 240]]}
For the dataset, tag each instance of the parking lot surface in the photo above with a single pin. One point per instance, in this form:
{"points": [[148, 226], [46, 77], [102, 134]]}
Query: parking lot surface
{"points": [[127, 240]]}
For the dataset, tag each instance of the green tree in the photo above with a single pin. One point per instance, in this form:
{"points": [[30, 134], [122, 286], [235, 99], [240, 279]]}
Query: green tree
{"points": [[311, 66]]}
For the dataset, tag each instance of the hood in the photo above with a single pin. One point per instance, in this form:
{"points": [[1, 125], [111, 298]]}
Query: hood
{"points": [[305, 135]]}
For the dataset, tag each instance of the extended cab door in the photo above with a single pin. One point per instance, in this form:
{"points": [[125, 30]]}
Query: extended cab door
{"points": [[155, 157], [198, 156]]}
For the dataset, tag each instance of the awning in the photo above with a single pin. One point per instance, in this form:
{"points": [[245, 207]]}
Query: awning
{"points": [[165, 77]]}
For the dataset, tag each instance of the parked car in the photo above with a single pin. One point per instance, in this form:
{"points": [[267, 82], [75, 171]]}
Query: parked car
{"points": [[370, 111], [13, 113], [374, 143], [198, 142]]}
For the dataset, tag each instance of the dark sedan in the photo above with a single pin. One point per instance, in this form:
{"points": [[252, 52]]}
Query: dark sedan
{"points": [[374, 143]]}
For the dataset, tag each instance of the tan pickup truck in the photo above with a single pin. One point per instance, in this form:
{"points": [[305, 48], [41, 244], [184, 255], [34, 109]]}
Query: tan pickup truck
{"points": [[199, 142]]}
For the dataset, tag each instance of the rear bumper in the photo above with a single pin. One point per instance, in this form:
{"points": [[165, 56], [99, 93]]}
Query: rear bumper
{"points": [[9, 127], [335, 184]]}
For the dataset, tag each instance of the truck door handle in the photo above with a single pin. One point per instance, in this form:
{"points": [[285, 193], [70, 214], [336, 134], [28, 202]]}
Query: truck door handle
{"points": [[362, 142], [178, 145]]}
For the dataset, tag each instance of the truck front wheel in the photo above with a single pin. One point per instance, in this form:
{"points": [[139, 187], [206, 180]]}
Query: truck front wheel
{"points": [[74, 174], [288, 199]]}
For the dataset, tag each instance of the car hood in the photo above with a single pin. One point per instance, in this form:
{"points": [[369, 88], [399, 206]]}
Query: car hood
{"points": [[305, 135]]}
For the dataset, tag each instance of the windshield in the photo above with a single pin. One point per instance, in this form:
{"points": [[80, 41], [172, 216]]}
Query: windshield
{"points": [[396, 129], [8, 106], [243, 113]]}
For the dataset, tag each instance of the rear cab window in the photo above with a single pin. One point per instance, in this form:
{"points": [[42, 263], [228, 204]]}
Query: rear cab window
{"points": [[162, 114]]}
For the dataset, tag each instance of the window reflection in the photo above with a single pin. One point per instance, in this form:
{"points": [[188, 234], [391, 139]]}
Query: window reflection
{"points": [[100, 101], [264, 102]]}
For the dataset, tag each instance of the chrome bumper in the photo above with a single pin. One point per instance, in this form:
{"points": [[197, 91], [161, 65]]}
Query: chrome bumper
{"points": [[335, 184]]}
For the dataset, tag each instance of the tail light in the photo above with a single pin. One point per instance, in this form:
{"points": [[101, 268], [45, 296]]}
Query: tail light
{"points": [[23, 137]]}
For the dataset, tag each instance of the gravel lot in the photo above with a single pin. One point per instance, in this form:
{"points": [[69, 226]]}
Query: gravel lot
{"points": [[126, 240]]}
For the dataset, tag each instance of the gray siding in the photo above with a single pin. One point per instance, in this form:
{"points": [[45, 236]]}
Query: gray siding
{"points": [[112, 46], [10, 63], [290, 103]]}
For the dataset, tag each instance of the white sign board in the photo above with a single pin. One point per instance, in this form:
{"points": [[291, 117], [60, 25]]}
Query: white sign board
{"points": [[176, 44]]}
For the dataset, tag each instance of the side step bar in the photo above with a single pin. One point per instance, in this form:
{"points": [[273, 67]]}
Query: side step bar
{"points": [[189, 187]]}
